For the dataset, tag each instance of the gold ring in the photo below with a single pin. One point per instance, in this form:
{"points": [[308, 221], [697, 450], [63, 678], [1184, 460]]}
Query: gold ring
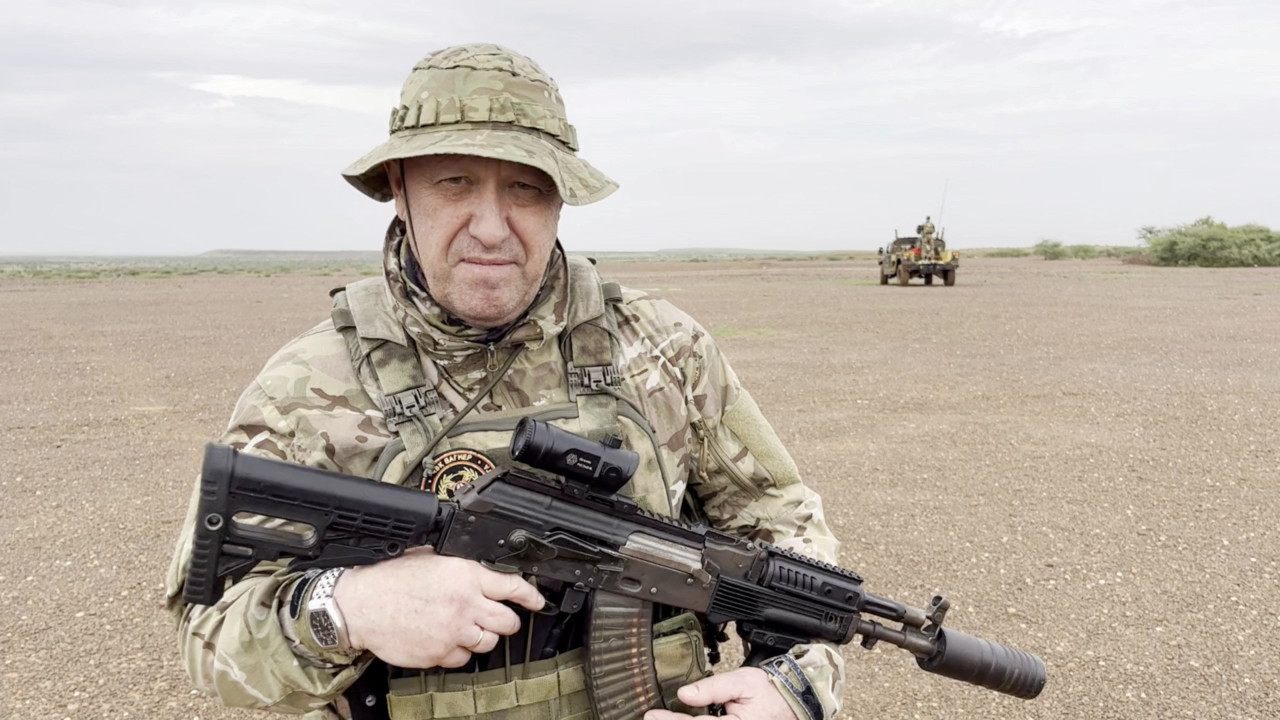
{"points": [[479, 640]]}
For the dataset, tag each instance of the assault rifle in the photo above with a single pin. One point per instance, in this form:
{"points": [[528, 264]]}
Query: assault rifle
{"points": [[566, 522]]}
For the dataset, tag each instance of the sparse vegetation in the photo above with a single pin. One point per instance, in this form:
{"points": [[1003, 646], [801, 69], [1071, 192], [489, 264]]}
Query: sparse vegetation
{"points": [[1005, 253], [1055, 250], [221, 263], [1049, 250], [1209, 243], [336, 264], [1082, 252], [1121, 252]]}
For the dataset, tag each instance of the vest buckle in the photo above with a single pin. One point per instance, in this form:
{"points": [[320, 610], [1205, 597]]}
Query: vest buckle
{"points": [[592, 379], [415, 402]]}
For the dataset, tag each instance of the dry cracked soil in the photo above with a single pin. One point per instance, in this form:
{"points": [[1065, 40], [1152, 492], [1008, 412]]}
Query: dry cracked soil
{"points": [[1083, 456]]}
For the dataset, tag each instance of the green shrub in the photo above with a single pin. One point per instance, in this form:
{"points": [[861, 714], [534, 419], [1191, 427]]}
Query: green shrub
{"points": [[1049, 250], [1082, 252], [1209, 243], [1007, 253]]}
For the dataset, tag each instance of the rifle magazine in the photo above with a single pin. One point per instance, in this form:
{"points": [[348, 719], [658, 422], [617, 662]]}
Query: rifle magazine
{"points": [[621, 679]]}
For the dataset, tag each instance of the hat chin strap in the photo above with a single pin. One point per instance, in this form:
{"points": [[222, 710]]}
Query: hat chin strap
{"points": [[408, 212], [410, 236]]}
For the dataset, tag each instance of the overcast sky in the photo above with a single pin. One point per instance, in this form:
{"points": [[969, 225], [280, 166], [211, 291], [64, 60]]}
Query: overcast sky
{"points": [[179, 127]]}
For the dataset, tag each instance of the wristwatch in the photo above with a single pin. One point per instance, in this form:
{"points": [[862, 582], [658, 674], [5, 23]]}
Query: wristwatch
{"points": [[324, 619]]}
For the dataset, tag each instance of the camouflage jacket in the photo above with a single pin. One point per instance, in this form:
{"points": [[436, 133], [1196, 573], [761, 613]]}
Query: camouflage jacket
{"points": [[309, 405]]}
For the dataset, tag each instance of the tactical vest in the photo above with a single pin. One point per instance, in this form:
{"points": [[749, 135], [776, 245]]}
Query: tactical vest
{"points": [[429, 437]]}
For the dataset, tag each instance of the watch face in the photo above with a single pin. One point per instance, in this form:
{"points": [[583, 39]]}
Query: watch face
{"points": [[322, 629]]}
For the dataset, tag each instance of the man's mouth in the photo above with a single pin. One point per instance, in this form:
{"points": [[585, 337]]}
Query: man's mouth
{"points": [[488, 261]]}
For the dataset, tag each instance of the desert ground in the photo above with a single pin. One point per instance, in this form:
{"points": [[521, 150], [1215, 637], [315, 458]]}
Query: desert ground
{"points": [[1084, 456]]}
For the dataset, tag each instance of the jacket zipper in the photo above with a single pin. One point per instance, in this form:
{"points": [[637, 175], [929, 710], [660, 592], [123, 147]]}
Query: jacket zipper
{"points": [[709, 441]]}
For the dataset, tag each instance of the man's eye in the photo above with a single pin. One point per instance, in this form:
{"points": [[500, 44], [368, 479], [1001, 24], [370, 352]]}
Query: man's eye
{"points": [[456, 181], [528, 187]]}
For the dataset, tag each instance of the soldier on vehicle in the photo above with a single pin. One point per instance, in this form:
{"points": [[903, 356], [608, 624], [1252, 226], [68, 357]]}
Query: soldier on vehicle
{"points": [[420, 376], [926, 237]]}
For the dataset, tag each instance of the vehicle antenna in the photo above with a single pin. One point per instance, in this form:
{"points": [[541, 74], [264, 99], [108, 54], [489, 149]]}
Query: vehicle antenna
{"points": [[945, 183]]}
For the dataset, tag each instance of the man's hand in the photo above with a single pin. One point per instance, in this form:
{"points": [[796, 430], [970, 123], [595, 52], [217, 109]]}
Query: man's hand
{"points": [[746, 693], [423, 610]]}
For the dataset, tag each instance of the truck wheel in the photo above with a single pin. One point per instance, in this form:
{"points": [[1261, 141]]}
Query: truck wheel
{"points": [[949, 278], [884, 279], [928, 279], [904, 275]]}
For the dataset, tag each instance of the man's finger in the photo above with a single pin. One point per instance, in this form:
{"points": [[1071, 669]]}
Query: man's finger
{"points": [[717, 689], [488, 641], [509, 586], [496, 617], [455, 658]]}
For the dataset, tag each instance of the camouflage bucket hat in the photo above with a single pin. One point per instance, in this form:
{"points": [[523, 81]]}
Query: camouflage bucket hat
{"points": [[488, 101]]}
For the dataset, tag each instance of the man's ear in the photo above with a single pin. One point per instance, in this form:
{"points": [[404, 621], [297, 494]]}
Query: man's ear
{"points": [[395, 177]]}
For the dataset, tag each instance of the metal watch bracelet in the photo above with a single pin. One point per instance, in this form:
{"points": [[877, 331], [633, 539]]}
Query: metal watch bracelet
{"points": [[324, 619]]}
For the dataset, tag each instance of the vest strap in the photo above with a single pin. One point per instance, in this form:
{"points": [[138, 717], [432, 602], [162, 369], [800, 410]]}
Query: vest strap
{"points": [[589, 347], [402, 389]]}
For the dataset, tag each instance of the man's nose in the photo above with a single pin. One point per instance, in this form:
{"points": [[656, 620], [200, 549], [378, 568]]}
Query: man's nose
{"points": [[489, 218]]}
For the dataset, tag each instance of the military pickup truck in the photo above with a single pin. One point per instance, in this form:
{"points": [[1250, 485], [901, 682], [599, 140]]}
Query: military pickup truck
{"points": [[910, 257]]}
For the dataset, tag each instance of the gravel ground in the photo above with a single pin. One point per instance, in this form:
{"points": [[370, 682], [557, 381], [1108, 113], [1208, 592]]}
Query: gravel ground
{"points": [[1083, 456]]}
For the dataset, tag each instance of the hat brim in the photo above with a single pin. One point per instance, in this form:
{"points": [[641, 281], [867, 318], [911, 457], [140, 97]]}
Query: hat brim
{"points": [[578, 182]]}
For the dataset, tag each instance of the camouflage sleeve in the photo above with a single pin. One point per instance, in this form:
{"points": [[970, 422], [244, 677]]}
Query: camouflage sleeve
{"points": [[750, 486], [237, 650]]}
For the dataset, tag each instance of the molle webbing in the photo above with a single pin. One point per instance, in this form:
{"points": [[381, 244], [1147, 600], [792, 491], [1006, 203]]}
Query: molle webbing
{"points": [[553, 689]]}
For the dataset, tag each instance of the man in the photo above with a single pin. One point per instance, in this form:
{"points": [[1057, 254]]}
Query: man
{"points": [[419, 377], [926, 237]]}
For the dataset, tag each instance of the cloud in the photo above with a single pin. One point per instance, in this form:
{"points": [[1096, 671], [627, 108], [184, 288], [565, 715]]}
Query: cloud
{"points": [[819, 123], [350, 98]]}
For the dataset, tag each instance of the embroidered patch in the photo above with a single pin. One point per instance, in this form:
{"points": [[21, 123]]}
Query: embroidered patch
{"points": [[453, 469]]}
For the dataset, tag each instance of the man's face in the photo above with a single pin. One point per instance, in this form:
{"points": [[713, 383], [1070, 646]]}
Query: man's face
{"points": [[482, 230]]}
